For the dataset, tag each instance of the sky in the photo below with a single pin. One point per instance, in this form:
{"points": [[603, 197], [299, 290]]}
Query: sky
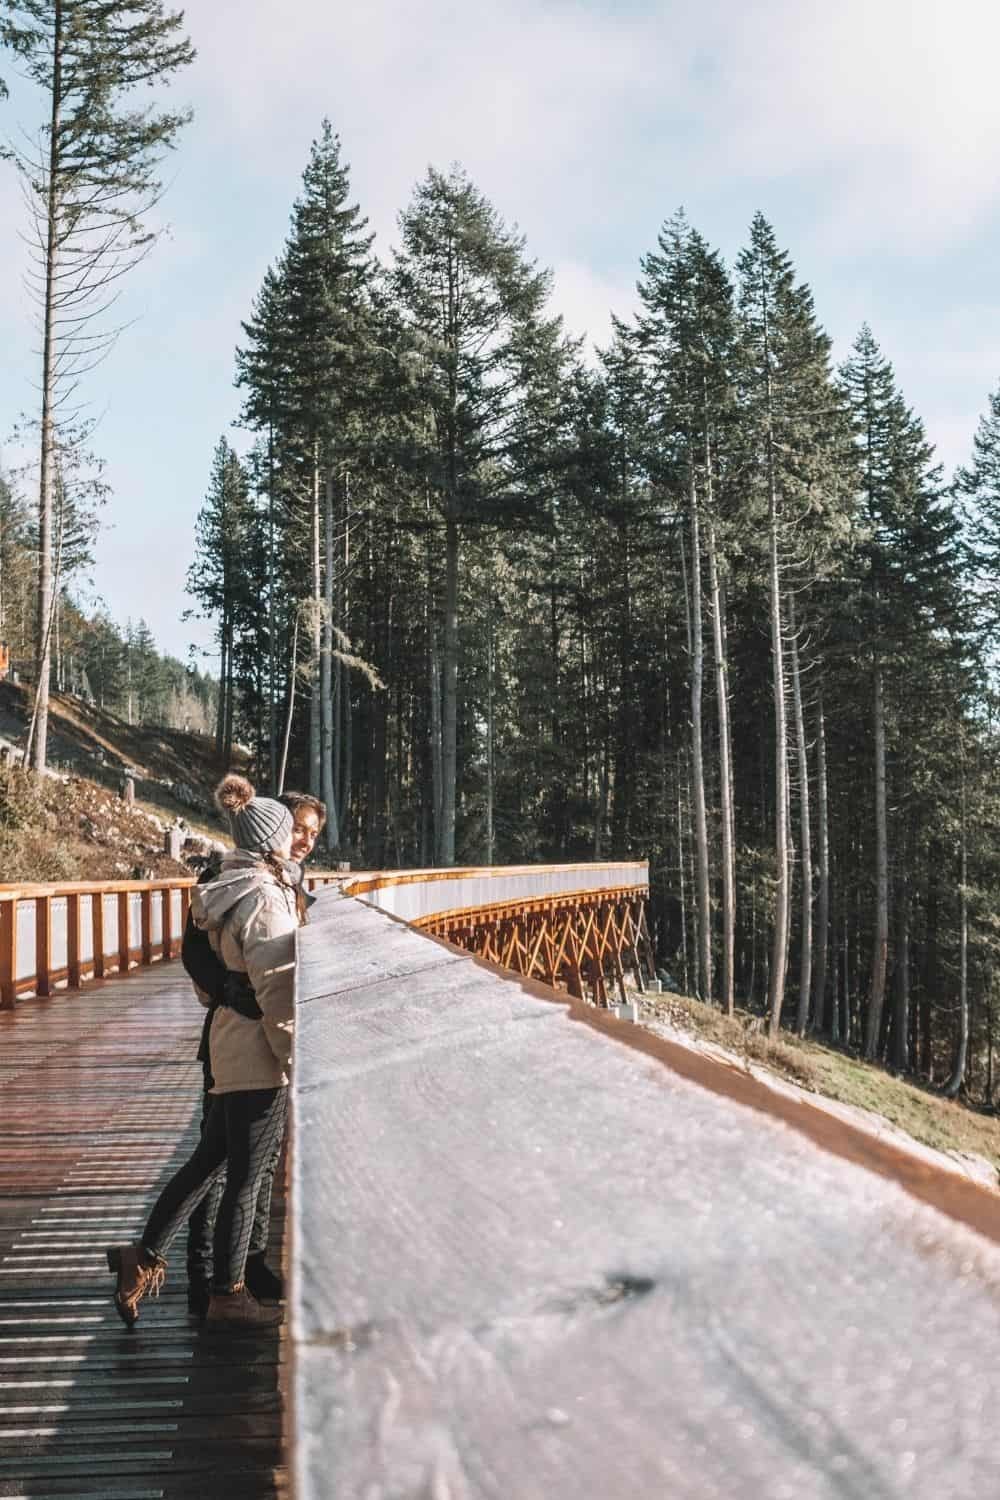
{"points": [[866, 131]]}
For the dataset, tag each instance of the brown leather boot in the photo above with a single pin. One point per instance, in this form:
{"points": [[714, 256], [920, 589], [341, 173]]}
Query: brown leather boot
{"points": [[140, 1274], [236, 1311]]}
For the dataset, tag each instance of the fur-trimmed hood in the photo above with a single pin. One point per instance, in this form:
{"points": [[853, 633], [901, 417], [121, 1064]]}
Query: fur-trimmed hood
{"points": [[241, 874]]}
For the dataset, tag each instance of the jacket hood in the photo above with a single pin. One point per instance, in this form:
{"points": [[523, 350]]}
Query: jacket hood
{"points": [[242, 872]]}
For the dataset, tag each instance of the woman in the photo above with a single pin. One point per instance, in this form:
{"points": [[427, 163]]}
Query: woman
{"points": [[251, 912], [212, 979]]}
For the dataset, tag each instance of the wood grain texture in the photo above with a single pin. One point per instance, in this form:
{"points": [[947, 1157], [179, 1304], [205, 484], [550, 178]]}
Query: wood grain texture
{"points": [[100, 1101], [530, 1261]]}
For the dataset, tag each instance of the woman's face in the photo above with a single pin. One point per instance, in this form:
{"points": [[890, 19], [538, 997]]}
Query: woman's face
{"points": [[305, 832], [284, 849]]}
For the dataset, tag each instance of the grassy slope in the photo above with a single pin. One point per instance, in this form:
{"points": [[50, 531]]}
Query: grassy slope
{"points": [[918, 1110]]}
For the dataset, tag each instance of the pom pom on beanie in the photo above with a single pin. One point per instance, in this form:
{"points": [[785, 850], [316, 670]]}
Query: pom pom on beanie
{"points": [[233, 793]]}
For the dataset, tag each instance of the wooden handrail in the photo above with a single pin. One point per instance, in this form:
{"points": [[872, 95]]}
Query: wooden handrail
{"points": [[28, 913], [17, 889]]}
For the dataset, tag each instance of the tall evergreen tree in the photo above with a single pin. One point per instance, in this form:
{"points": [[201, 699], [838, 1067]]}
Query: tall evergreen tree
{"points": [[90, 182], [687, 333], [910, 601], [218, 578], [790, 422], [475, 309]]}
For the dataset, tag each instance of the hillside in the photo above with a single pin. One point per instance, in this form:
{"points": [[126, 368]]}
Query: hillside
{"points": [[90, 752]]}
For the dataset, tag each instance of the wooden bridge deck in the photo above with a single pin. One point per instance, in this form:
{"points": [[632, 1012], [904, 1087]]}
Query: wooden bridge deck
{"points": [[101, 1099]]}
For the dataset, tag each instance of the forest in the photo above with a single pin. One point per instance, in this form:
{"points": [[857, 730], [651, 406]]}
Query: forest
{"points": [[703, 595]]}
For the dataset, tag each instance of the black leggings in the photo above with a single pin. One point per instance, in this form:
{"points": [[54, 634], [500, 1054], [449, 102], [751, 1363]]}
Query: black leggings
{"points": [[240, 1137], [201, 1224]]}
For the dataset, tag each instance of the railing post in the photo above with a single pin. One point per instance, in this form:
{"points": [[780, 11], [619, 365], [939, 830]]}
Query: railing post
{"points": [[73, 940], [185, 906], [146, 901], [123, 933], [168, 923], [97, 925], [8, 953], [43, 945]]}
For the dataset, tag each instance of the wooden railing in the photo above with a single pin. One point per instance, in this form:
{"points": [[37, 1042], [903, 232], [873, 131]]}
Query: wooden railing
{"points": [[574, 926], [65, 934], [62, 935]]}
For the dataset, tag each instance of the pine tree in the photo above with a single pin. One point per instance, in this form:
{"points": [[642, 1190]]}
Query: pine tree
{"points": [[218, 577], [909, 596], [977, 486], [475, 310], [790, 427], [687, 332]]}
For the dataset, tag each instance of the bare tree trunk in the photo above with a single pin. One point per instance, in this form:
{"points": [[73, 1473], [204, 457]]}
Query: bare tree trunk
{"points": [[293, 673], [957, 1079], [823, 859], [39, 746], [227, 748], [873, 1027], [603, 797], [805, 833], [685, 963], [435, 735], [839, 959], [725, 780], [489, 716], [703, 987], [272, 629], [220, 716], [988, 1097], [328, 790], [901, 1019], [782, 895], [449, 696], [316, 640], [343, 782], [779, 943]]}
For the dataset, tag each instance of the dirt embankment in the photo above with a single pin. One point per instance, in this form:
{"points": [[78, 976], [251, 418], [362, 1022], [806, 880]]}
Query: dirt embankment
{"points": [[74, 823]]}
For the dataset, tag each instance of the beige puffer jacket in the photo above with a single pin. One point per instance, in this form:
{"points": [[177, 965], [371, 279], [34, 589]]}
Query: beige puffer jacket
{"points": [[251, 920]]}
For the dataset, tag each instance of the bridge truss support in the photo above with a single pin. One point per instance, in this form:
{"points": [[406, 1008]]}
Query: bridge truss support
{"points": [[578, 939]]}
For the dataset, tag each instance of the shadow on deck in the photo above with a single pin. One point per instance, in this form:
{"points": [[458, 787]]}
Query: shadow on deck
{"points": [[101, 1100]]}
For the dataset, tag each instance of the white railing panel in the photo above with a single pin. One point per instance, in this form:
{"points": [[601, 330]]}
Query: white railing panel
{"points": [[156, 922], [175, 912], [59, 932], [135, 919], [86, 929], [110, 925], [413, 900], [25, 940]]}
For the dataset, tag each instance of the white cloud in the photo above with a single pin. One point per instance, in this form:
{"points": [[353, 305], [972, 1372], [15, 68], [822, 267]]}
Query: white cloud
{"points": [[889, 110], [867, 130]]}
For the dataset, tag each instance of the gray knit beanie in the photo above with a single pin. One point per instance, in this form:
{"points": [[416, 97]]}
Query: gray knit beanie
{"points": [[258, 824]]}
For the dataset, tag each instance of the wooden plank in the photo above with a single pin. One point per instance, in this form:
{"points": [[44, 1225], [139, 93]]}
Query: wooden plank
{"points": [[537, 1266]]}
